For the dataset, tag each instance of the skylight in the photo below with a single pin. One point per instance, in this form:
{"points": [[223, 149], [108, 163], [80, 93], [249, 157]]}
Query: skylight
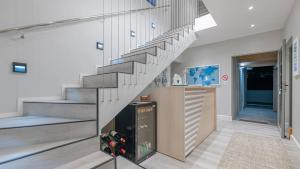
{"points": [[204, 22]]}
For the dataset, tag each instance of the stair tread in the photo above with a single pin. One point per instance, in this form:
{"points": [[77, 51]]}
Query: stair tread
{"points": [[111, 73], [87, 162], [117, 68], [150, 44], [128, 62], [58, 102], [28, 121], [9, 154]]}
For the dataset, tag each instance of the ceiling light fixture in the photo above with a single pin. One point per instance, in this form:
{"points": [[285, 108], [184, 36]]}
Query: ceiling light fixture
{"points": [[204, 22], [251, 8], [252, 26]]}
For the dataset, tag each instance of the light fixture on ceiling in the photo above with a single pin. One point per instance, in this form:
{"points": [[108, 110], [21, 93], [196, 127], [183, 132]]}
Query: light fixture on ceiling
{"points": [[251, 8], [252, 26], [204, 22], [242, 64]]}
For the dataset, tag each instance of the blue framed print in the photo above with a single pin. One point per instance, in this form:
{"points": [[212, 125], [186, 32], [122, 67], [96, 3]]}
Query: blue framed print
{"points": [[203, 75], [152, 2]]}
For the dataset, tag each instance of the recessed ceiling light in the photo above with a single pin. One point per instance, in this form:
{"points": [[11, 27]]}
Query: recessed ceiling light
{"points": [[251, 8], [252, 26]]}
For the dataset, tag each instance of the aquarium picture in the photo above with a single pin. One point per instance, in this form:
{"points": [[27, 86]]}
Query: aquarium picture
{"points": [[203, 75], [152, 2]]}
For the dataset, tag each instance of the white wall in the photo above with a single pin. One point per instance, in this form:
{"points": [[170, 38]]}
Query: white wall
{"points": [[59, 55], [293, 29], [221, 53]]}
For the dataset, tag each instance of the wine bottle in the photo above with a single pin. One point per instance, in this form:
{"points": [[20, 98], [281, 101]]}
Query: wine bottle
{"points": [[106, 139], [106, 149], [120, 149], [117, 137]]}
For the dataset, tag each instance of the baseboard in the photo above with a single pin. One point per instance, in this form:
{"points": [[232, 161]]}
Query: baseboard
{"points": [[296, 141], [10, 114], [224, 117], [24, 99]]}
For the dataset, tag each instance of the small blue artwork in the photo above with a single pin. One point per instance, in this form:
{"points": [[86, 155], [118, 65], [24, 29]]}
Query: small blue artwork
{"points": [[152, 2], [203, 75]]}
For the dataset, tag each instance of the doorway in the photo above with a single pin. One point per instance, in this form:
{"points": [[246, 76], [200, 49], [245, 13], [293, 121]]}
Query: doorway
{"points": [[255, 88]]}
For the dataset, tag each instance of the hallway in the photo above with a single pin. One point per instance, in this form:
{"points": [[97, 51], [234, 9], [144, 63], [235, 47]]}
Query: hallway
{"points": [[210, 153], [258, 114]]}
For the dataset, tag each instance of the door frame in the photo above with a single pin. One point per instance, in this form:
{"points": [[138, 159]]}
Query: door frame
{"points": [[290, 55], [285, 82]]}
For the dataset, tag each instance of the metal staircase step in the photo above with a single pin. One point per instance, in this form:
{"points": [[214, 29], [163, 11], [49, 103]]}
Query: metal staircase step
{"points": [[108, 80], [140, 58], [159, 44], [179, 32], [58, 156], [91, 161], [163, 37], [30, 130], [127, 67], [152, 50], [168, 40], [81, 95], [61, 108], [184, 28]]}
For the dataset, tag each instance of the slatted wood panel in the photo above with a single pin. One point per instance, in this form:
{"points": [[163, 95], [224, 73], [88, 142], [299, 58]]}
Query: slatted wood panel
{"points": [[193, 101], [185, 117]]}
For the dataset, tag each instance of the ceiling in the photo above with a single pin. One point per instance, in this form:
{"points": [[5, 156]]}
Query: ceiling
{"points": [[234, 18]]}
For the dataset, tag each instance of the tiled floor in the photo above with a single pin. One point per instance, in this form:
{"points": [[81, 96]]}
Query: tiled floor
{"points": [[210, 152], [261, 114]]}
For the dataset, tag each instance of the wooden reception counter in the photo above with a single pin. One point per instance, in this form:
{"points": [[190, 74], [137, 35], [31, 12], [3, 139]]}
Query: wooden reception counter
{"points": [[185, 117]]}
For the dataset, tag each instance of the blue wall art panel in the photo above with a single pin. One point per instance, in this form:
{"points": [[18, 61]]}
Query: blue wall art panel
{"points": [[152, 2], [203, 75]]}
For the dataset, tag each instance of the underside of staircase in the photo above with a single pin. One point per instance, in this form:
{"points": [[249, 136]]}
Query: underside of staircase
{"points": [[63, 134]]}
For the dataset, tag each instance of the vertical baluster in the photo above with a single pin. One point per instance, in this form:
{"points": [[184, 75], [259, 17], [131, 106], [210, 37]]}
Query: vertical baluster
{"points": [[157, 13], [140, 29], [163, 24], [178, 11], [118, 51], [111, 43], [145, 72], [103, 58], [124, 43], [190, 16], [130, 37], [194, 12], [136, 38]]}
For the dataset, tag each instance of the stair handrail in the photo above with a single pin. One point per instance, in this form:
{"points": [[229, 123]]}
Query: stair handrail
{"points": [[75, 20]]}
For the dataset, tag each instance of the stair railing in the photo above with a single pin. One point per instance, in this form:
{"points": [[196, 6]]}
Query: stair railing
{"points": [[180, 13]]}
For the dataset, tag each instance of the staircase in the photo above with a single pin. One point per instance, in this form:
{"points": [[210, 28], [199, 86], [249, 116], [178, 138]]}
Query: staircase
{"points": [[63, 134]]}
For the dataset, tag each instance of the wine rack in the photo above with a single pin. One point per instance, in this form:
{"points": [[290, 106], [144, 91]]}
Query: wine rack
{"points": [[138, 123]]}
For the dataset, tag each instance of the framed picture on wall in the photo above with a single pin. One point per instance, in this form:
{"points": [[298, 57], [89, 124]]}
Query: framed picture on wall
{"points": [[296, 56], [203, 75], [152, 2]]}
